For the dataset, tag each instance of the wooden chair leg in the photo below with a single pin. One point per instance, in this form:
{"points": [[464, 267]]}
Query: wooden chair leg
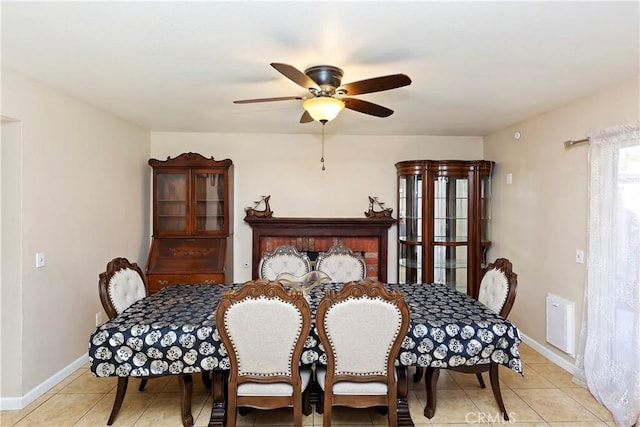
{"points": [[431, 382], [143, 383], [392, 410], [185, 381], [326, 414], [232, 409], [120, 392], [297, 413], [481, 380], [495, 386], [418, 374]]}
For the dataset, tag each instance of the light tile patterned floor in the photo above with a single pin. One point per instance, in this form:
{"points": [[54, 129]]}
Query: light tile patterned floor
{"points": [[544, 396]]}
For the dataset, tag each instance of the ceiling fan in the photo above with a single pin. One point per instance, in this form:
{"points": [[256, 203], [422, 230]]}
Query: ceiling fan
{"points": [[329, 95]]}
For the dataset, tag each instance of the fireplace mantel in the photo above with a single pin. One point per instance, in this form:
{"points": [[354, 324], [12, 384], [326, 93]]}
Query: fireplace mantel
{"points": [[306, 228]]}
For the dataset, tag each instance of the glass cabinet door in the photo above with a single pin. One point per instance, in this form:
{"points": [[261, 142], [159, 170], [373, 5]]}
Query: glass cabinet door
{"points": [[444, 215], [209, 201], [410, 229], [171, 202], [450, 231]]}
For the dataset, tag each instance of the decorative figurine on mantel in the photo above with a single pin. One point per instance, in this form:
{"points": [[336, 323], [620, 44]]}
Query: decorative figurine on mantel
{"points": [[255, 213], [372, 213]]}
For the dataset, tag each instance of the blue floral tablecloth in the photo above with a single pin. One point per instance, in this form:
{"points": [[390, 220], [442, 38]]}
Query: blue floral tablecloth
{"points": [[174, 332]]}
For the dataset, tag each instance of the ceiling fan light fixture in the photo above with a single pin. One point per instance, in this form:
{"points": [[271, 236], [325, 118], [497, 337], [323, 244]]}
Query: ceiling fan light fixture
{"points": [[323, 108]]}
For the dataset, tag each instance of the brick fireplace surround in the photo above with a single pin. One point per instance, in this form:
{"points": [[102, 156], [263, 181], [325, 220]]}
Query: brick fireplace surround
{"points": [[367, 236]]}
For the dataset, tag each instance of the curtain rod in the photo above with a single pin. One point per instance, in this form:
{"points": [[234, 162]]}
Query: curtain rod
{"points": [[571, 142]]}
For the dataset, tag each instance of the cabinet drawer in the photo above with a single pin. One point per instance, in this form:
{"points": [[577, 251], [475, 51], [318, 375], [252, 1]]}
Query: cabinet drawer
{"points": [[156, 282], [187, 256]]}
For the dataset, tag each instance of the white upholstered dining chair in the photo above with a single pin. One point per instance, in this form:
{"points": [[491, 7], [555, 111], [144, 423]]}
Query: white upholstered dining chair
{"points": [[499, 286], [361, 328], [121, 285], [342, 264], [283, 259], [264, 327], [497, 291]]}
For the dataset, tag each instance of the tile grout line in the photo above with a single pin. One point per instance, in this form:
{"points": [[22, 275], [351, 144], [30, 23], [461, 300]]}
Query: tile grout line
{"points": [[49, 396], [587, 409], [567, 394]]}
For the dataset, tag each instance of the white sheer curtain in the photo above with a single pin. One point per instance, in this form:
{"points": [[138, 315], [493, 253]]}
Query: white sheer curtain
{"points": [[608, 360]]}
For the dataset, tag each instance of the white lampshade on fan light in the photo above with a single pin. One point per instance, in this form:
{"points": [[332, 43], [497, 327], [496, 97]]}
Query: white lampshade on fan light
{"points": [[323, 108]]}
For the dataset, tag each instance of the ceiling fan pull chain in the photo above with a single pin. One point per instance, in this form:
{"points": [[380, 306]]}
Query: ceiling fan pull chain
{"points": [[324, 122]]}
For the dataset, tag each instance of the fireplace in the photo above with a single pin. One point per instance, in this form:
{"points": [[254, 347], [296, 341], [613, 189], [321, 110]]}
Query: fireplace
{"points": [[367, 236]]}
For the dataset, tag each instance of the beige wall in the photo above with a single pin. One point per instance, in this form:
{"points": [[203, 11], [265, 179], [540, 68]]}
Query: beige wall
{"points": [[541, 218], [288, 168], [83, 189], [10, 308], [83, 186]]}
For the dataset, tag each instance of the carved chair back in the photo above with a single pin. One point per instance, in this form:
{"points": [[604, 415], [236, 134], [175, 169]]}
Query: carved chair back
{"points": [[361, 327], [342, 264], [284, 259], [499, 286], [121, 285], [263, 327]]}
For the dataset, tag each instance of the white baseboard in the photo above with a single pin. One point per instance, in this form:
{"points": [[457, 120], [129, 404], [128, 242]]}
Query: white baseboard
{"points": [[13, 403], [549, 354]]}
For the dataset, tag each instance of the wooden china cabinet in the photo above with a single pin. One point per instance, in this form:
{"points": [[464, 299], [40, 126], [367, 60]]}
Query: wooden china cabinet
{"points": [[192, 221], [443, 221]]}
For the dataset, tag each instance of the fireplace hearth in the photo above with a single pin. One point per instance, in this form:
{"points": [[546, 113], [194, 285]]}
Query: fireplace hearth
{"points": [[367, 236]]}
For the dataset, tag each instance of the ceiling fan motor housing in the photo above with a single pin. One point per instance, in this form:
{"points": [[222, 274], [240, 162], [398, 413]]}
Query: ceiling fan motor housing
{"points": [[328, 77]]}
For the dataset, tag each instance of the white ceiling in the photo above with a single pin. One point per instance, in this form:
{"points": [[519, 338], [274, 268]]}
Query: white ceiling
{"points": [[178, 65]]}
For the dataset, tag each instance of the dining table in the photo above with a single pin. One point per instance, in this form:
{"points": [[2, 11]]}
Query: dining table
{"points": [[173, 332]]}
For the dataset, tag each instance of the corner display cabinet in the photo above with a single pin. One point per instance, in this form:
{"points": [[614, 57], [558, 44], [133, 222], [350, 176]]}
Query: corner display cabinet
{"points": [[192, 221], [443, 221]]}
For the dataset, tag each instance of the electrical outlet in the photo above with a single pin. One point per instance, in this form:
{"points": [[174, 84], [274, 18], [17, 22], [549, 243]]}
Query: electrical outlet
{"points": [[98, 318], [579, 256]]}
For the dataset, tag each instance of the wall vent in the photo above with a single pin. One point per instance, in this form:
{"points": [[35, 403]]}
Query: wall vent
{"points": [[561, 323]]}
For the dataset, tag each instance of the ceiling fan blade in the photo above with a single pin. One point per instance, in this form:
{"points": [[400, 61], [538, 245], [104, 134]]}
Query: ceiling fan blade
{"points": [[366, 107], [376, 84], [306, 117], [281, 98], [295, 75]]}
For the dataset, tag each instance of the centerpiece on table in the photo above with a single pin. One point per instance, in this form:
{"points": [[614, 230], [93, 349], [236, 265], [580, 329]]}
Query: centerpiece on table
{"points": [[304, 283]]}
